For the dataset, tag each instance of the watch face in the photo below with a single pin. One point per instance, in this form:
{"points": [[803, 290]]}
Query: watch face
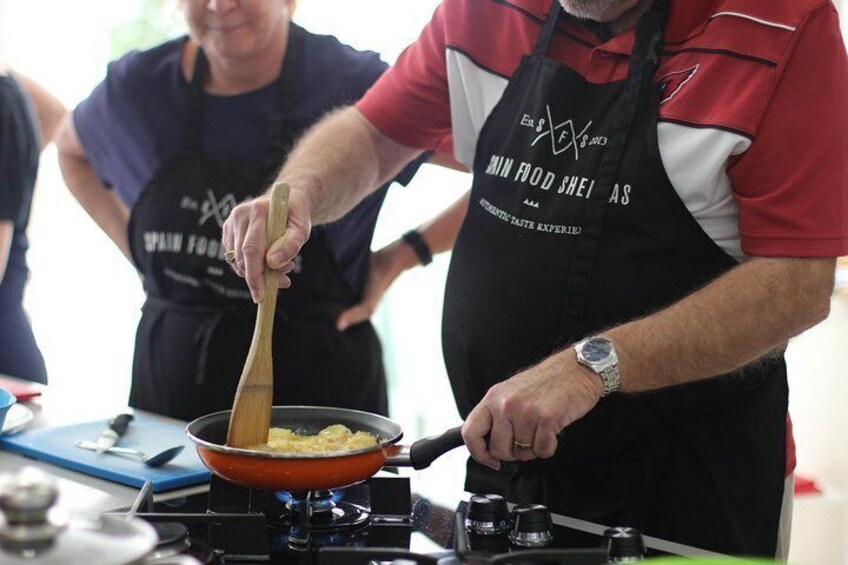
{"points": [[596, 350]]}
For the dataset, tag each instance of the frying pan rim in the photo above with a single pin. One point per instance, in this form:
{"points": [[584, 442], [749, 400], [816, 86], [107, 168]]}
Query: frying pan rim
{"points": [[281, 455]]}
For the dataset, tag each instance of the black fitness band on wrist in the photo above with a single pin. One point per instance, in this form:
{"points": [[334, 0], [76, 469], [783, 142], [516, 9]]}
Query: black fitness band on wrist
{"points": [[422, 250]]}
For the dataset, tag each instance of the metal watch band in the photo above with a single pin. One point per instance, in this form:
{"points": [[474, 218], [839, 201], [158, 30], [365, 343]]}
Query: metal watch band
{"points": [[606, 370], [610, 379]]}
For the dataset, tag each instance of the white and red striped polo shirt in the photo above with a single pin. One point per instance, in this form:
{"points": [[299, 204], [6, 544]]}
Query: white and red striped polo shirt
{"points": [[753, 128]]}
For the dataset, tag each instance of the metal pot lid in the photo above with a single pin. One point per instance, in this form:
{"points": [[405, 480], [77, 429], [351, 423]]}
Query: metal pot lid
{"points": [[36, 532], [87, 540]]}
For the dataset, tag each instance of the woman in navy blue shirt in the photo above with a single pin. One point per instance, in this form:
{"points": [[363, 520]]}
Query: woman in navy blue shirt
{"points": [[159, 154], [29, 116]]}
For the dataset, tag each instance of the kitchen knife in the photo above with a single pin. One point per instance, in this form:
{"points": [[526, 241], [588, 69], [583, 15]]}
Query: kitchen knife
{"points": [[116, 428]]}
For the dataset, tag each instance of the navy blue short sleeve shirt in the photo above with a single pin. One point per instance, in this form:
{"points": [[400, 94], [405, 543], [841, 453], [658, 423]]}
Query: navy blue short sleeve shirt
{"points": [[133, 122]]}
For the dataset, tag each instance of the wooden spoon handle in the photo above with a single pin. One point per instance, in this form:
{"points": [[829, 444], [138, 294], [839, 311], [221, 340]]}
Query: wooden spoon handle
{"points": [[278, 213], [251, 415]]}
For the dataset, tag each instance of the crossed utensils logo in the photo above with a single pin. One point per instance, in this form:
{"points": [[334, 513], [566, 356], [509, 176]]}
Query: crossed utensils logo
{"points": [[561, 141], [214, 208]]}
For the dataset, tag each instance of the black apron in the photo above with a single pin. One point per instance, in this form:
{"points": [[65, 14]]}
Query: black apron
{"points": [[573, 227], [197, 321]]}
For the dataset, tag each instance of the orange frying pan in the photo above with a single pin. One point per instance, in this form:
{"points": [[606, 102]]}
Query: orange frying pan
{"points": [[301, 472]]}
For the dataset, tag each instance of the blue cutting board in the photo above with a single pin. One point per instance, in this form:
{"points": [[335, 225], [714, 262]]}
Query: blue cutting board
{"points": [[56, 446]]}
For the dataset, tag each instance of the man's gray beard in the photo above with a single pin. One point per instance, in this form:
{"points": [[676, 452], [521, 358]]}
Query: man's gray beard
{"points": [[595, 10]]}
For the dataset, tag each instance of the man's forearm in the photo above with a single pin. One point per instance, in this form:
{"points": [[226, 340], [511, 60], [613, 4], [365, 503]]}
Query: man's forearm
{"points": [[736, 319], [341, 160]]}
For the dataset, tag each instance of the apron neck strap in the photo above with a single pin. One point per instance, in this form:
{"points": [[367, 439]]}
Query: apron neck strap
{"points": [[636, 97], [547, 32], [278, 131], [194, 111], [649, 40]]}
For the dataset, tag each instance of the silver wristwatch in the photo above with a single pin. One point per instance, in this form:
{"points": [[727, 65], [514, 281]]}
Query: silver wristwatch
{"points": [[598, 353]]}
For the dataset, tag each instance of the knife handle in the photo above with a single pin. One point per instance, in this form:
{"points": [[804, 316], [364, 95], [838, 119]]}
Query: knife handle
{"points": [[120, 423]]}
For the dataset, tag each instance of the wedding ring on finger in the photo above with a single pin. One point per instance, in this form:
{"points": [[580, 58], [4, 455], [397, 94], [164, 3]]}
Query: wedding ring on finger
{"points": [[519, 445], [230, 256]]}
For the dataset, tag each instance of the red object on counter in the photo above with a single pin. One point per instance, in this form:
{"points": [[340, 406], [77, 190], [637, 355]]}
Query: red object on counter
{"points": [[804, 485], [22, 391]]}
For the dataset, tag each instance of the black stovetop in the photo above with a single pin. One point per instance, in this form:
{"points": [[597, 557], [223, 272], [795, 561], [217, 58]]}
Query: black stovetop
{"points": [[379, 521]]}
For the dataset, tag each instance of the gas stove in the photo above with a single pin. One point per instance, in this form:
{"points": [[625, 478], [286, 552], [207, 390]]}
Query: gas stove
{"points": [[378, 521]]}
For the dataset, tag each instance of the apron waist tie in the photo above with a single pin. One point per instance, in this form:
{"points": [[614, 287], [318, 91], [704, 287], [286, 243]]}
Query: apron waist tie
{"points": [[214, 316], [203, 338]]}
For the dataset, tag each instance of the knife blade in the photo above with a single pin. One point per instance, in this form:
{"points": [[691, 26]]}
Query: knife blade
{"points": [[112, 433]]}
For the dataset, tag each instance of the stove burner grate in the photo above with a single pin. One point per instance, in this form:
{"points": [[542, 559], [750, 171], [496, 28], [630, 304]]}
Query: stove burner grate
{"points": [[173, 539], [318, 513], [233, 524]]}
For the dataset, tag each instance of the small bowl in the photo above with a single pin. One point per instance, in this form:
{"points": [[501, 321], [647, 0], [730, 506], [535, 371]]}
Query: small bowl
{"points": [[7, 399]]}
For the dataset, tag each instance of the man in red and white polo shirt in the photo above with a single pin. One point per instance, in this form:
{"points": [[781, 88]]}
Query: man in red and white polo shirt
{"points": [[659, 194]]}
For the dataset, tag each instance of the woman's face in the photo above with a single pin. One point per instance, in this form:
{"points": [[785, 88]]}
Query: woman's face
{"points": [[236, 29]]}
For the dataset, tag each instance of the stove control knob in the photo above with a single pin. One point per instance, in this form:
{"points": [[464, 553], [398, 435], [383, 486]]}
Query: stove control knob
{"points": [[487, 515], [624, 545], [530, 526]]}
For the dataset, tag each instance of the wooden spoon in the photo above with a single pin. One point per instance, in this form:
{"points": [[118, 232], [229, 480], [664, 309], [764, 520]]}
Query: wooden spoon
{"points": [[251, 415]]}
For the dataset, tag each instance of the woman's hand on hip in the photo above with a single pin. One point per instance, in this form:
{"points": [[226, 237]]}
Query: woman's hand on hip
{"points": [[244, 234], [384, 266]]}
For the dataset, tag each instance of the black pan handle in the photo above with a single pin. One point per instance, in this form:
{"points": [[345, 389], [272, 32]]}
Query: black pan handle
{"points": [[424, 451]]}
